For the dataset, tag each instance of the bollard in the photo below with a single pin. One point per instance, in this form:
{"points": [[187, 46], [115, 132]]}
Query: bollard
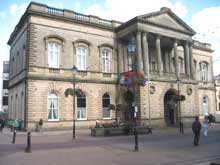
{"points": [[181, 128], [14, 137], [136, 148], [28, 148]]}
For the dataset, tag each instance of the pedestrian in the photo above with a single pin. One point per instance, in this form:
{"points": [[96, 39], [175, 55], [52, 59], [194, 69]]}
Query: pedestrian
{"points": [[15, 124], [40, 125], [205, 125], [196, 127], [2, 124]]}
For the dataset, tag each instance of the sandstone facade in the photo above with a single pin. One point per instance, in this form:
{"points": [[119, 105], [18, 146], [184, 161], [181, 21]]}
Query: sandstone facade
{"points": [[161, 37]]}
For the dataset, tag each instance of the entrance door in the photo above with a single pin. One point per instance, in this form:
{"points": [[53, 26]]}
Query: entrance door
{"points": [[170, 108]]}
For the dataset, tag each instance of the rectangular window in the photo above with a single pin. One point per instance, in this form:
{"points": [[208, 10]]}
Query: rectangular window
{"points": [[53, 107], [105, 105], [106, 60], [203, 72], [5, 101], [81, 108], [81, 53], [153, 65], [53, 55], [5, 84]]}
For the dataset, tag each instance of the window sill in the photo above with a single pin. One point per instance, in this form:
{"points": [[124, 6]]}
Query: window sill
{"points": [[54, 70], [107, 118], [53, 120], [109, 75], [82, 119]]}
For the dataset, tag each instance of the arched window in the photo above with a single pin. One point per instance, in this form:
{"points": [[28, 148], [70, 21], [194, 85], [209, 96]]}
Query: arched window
{"points": [[106, 55], [203, 71], [105, 106], [81, 53], [53, 54], [81, 107], [53, 107], [205, 106]]}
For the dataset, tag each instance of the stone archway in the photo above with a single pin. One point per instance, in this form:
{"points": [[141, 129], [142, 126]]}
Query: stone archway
{"points": [[170, 107]]}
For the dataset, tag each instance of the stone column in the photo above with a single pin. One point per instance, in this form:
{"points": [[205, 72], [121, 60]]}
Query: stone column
{"points": [[176, 58], [139, 63], [125, 58], [120, 57], [166, 63], [145, 53], [186, 59], [191, 61], [159, 60]]}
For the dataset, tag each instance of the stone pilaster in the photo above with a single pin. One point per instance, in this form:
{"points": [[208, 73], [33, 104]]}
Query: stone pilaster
{"points": [[176, 58], [139, 63], [145, 53], [191, 61], [159, 60], [186, 59]]}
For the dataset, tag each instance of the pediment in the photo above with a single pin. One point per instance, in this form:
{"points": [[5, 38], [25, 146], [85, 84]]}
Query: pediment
{"points": [[166, 18]]}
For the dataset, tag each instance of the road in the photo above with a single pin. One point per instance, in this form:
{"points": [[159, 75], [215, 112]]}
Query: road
{"points": [[164, 146]]}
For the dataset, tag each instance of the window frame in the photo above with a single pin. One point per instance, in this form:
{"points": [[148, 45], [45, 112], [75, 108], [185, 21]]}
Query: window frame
{"points": [[204, 71], [54, 52], [106, 61], [80, 109], [48, 111], [105, 108], [82, 57], [205, 101]]}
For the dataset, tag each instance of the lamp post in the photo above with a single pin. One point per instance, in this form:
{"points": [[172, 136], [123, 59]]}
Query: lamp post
{"points": [[74, 71], [131, 49], [179, 107]]}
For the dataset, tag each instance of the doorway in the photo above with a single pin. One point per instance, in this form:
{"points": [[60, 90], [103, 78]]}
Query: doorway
{"points": [[171, 107]]}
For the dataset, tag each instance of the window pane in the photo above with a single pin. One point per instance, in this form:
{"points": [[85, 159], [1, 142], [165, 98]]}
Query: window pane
{"points": [[53, 55], [81, 102], [106, 113], [52, 106], [81, 58]]}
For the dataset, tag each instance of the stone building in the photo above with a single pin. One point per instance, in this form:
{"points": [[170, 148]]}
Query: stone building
{"points": [[5, 82], [217, 95], [47, 42]]}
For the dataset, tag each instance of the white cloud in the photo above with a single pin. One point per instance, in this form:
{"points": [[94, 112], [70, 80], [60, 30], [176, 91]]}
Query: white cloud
{"points": [[17, 9], [124, 10], [207, 26], [77, 6]]}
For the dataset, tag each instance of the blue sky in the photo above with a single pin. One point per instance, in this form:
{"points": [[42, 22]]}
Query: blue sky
{"points": [[201, 15]]}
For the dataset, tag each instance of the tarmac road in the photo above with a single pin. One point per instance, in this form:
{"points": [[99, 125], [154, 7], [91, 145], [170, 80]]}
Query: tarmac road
{"points": [[165, 146]]}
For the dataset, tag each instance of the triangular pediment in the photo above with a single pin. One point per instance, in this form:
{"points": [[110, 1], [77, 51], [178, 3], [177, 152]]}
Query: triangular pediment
{"points": [[166, 18]]}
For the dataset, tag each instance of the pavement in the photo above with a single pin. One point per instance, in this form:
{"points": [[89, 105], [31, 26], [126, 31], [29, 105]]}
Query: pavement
{"points": [[164, 146]]}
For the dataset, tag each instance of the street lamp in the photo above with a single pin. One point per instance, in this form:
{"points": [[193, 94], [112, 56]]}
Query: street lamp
{"points": [[131, 47], [74, 71], [179, 107]]}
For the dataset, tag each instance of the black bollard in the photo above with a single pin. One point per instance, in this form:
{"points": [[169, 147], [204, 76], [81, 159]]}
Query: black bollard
{"points": [[136, 148], [28, 148], [14, 137], [181, 128]]}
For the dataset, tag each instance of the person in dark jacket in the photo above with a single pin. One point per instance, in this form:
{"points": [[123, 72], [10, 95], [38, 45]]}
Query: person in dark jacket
{"points": [[196, 127]]}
